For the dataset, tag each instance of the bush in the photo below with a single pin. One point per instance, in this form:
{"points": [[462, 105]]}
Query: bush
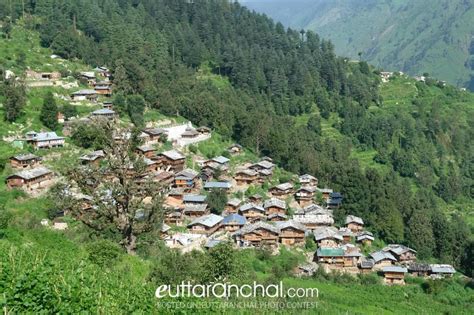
{"points": [[103, 253], [369, 279]]}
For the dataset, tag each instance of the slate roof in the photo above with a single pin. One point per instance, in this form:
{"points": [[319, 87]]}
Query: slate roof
{"points": [[221, 159], [31, 174], [190, 132], [322, 219], [45, 136], [173, 155], [365, 236], [103, 111], [255, 226], [218, 185], [279, 215], [322, 233], [394, 269], [398, 249], [212, 243], [274, 202], [290, 223], [209, 220], [381, 255], [306, 178], [436, 268], [194, 198], [367, 264], [85, 92], [165, 228], [233, 219], [251, 206], [154, 131], [264, 164], [354, 219], [234, 202], [187, 174], [247, 172], [146, 148], [284, 186], [201, 207], [25, 157]]}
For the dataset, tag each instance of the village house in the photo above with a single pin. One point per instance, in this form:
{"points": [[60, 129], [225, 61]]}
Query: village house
{"points": [[164, 231], [233, 222], [277, 217], [27, 160], [256, 198], [151, 165], [385, 76], [365, 237], [419, 270], [282, 191], [246, 177], [347, 234], [207, 224], [307, 180], [382, 259], [104, 113], [291, 233], [366, 265], [394, 275], [305, 195], [172, 160], [154, 135], [175, 197], [325, 192], [203, 130], [185, 242], [262, 165], [174, 217], [186, 179], [314, 216], [84, 95], [218, 185], [31, 180], [194, 210], [330, 255], [327, 237], [103, 88], [257, 234], [87, 76], [235, 149], [212, 242], [232, 205], [108, 104], [164, 177], [335, 200], [252, 212], [305, 270], [41, 140], [355, 224], [219, 163], [146, 151], [274, 206], [194, 199], [264, 175], [190, 133], [33, 75], [402, 253], [102, 72], [352, 256], [92, 158], [441, 271]]}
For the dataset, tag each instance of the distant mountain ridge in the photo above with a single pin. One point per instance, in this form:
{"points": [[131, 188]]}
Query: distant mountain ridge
{"points": [[412, 36]]}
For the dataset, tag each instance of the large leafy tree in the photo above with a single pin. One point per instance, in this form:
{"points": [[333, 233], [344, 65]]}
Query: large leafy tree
{"points": [[15, 99], [125, 202]]}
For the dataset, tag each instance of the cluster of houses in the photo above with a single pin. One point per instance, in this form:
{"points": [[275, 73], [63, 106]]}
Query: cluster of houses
{"points": [[99, 85]]}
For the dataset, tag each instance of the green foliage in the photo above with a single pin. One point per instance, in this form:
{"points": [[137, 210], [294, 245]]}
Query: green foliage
{"points": [[49, 112], [69, 111], [216, 200], [89, 136], [103, 253], [135, 109], [15, 99]]}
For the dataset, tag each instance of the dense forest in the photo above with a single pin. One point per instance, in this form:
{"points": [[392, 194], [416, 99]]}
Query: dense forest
{"points": [[272, 79]]}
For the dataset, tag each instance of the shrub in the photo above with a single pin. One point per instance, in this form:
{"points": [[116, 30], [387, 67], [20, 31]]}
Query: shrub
{"points": [[103, 253]]}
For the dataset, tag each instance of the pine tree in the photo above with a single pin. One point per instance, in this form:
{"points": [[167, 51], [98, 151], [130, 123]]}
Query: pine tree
{"points": [[49, 112], [15, 99]]}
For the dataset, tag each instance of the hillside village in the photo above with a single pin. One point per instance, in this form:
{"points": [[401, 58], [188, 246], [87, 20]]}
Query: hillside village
{"points": [[287, 213]]}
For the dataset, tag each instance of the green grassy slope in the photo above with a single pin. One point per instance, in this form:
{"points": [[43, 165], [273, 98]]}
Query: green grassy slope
{"points": [[401, 35]]}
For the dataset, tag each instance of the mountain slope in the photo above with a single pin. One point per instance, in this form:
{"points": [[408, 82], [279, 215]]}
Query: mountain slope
{"points": [[402, 35]]}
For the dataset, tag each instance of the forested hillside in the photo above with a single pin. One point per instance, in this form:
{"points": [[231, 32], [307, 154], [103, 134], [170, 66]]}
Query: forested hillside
{"points": [[401, 154], [408, 36]]}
